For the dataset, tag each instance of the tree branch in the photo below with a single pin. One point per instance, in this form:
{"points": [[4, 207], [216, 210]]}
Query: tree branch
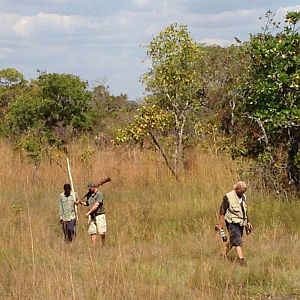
{"points": [[162, 152], [264, 137]]}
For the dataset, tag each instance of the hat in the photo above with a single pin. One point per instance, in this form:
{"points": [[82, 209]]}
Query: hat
{"points": [[91, 184]]}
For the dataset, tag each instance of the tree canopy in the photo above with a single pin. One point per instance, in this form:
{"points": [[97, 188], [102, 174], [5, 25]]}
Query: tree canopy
{"points": [[172, 84], [272, 96], [242, 99]]}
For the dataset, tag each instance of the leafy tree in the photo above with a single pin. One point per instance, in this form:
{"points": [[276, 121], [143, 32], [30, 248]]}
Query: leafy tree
{"points": [[66, 101], [54, 109], [12, 83], [10, 77], [172, 84], [108, 113], [272, 96], [222, 69], [148, 124]]}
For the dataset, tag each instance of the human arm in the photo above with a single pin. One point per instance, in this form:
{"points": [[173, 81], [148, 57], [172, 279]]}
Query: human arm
{"points": [[93, 208], [60, 209], [81, 201], [249, 226], [221, 223], [223, 208], [96, 204], [76, 198]]}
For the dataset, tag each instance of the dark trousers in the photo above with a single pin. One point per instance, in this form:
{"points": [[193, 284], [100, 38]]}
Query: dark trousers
{"points": [[235, 234], [69, 231]]}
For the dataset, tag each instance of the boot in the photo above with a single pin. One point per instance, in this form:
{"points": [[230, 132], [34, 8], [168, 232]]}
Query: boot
{"points": [[242, 262]]}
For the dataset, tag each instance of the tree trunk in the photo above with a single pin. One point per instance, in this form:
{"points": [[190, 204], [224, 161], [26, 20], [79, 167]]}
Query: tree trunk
{"points": [[163, 154], [178, 152]]}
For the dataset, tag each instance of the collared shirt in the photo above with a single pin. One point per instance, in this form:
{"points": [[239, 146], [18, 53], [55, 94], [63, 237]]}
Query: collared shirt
{"points": [[66, 207], [92, 199]]}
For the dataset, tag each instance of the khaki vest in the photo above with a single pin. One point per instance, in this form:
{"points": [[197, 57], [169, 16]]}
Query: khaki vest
{"points": [[234, 213]]}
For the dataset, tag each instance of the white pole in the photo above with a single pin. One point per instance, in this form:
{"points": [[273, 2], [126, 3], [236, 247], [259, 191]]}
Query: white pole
{"points": [[72, 186]]}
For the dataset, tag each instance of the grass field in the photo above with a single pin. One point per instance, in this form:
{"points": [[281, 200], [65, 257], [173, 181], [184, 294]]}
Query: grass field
{"points": [[161, 242]]}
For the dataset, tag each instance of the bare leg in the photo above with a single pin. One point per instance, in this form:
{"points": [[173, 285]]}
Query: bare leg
{"points": [[240, 255], [239, 252], [93, 239]]}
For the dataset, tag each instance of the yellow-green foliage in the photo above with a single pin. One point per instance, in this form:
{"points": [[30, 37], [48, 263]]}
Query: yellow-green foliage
{"points": [[149, 119], [161, 242]]}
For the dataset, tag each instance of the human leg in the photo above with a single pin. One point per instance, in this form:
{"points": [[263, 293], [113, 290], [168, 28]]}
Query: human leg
{"points": [[227, 248], [101, 227], [93, 239], [64, 229], [71, 229], [235, 240], [92, 231], [239, 252]]}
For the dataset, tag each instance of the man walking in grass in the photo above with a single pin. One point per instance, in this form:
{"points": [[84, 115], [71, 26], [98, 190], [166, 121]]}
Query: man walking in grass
{"points": [[233, 214], [67, 213], [96, 213]]}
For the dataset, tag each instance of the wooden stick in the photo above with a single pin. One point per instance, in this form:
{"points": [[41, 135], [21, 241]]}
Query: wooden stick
{"points": [[72, 186]]}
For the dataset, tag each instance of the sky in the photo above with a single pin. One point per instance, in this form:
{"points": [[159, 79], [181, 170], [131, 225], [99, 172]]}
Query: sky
{"points": [[104, 41]]}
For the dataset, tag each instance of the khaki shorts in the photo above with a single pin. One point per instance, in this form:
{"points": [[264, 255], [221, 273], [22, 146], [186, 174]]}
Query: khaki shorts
{"points": [[98, 225]]}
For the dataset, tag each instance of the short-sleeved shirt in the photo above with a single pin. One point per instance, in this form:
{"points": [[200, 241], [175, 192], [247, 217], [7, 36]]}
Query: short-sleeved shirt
{"points": [[92, 199], [66, 205]]}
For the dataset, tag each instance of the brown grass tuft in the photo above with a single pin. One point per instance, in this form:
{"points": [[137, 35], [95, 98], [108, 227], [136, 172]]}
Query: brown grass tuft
{"points": [[161, 239]]}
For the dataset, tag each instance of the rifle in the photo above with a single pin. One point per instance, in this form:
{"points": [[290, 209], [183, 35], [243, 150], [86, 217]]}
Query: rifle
{"points": [[103, 181]]}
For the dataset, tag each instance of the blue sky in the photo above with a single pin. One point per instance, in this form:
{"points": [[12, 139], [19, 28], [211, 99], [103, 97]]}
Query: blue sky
{"points": [[103, 40]]}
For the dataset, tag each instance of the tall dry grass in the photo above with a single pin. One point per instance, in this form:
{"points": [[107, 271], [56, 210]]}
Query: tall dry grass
{"points": [[161, 242]]}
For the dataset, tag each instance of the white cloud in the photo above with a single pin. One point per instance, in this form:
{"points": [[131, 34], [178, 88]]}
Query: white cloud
{"points": [[4, 52], [220, 42], [9, 20], [54, 36], [225, 19], [281, 11], [28, 25], [125, 26], [143, 2], [61, 1], [22, 27]]}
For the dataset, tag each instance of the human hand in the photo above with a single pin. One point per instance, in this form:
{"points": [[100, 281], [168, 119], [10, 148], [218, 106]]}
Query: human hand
{"points": [[218, 227], [87, 214], [249, 228]]}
